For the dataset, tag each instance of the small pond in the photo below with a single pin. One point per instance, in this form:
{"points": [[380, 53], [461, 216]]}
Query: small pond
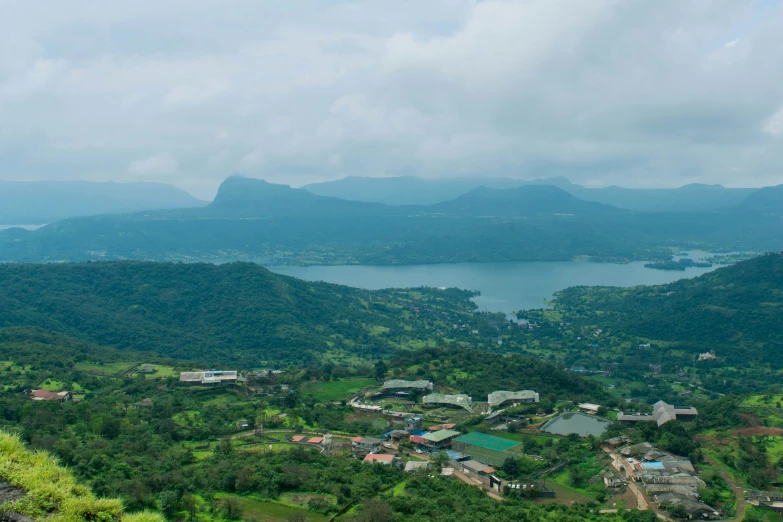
{"points": [[579, 423]]}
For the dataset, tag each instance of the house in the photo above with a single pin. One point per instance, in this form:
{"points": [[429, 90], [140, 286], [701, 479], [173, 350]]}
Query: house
{"points": [[613, 481], [243, 424], [435, 400], [367, 444], [473, 466], [589, 408], [412, 466], [413, 423], [209, 377], [439, 440], [46, 395], [315, 440], [661, 414], [145, 403], [498, 399], [398, 435], [298, 438], [486, 449], [147, 369], [616, 442], [695, 510], [374, 458]]}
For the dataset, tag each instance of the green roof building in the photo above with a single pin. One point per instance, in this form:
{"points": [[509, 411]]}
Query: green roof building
{"points": [[487, 449], [440, 439]]}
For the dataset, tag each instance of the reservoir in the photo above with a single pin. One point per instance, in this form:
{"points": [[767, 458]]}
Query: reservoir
{"points": [[579, 423], [504, 287]]}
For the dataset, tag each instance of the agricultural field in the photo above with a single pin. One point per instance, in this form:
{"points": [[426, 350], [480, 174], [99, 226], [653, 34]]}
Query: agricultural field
{"points": [[336, 390], [254, 509]]}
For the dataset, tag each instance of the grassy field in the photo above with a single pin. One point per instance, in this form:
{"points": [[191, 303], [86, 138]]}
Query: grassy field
{"points": [[163, 371], [336, 390], [273, 512], [107, 368]]}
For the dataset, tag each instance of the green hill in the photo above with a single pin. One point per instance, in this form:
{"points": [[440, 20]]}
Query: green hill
{"points": [[237, 312], [736, 311], [37, 487]]}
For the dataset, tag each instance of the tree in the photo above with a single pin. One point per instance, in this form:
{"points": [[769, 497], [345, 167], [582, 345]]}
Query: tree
{"points": [[232, 508], [439, 459], [169, 503], [375, 511], [189, 504], [380, 370]]}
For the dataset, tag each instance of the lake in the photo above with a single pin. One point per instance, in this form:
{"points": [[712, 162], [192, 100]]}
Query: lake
{"points": [[579, 423], [504, 287]]}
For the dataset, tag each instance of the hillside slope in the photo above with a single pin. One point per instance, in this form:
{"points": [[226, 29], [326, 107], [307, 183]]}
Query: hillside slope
{"points": [[736, 311], [46, 491], [214, 313], [37, 202]]}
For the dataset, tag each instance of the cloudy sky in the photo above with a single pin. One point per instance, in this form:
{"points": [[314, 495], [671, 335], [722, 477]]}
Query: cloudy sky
{"points": [[627, 92]]}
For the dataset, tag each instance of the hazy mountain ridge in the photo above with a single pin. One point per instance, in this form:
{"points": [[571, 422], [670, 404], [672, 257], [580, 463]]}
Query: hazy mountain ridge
{"points": [[251, 218], [38, 202], [412, 190]]}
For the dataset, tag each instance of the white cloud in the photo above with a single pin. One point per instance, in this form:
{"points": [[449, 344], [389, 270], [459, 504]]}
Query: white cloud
{"points": [[159, 164], [774, 125], [624, 91]]}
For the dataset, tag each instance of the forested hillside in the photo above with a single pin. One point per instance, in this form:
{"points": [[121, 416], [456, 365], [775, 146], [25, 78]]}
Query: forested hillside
{"points": [[253, 219], [218, 313], [736, 311]]}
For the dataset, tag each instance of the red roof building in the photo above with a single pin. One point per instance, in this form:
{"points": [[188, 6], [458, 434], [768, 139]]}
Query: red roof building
{"points": [[356, 439], [297, 438], [418, 440], [379, 458], [316, 440], [46, 395]]}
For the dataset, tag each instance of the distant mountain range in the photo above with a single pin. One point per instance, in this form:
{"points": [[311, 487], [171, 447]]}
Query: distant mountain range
{"points": [[251, 218], [39, 202], [409, 190]]}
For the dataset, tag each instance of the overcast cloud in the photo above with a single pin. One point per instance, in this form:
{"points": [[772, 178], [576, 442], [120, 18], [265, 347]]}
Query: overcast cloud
{"points": [[635, 93]]}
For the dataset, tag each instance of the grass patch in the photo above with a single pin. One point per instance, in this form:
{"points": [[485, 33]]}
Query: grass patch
{"points": [[273, 511], [336, 390]]}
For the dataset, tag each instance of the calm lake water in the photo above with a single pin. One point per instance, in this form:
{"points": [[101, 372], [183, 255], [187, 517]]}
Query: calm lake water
{"points": [[579, 423], [504, 287]]}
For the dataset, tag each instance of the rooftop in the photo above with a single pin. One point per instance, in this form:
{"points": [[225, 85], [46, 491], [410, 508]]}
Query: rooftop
{"points": [[441, 435], [377, 457], [490, 442], [413, 465], [460, 400], [499, 397], [400, 383]]}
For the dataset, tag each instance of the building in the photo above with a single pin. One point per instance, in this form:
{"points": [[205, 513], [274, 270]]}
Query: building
{"points": [[472, 466], [243, 424], [413, 423], [498, 399], [366, 444], [209, 377], [661, 414], [374, 458], [402, 387], [487, 449], [315, 440], [412, 466], [614, 481], [695, 510], [435, 400], [147, 369], [46, 395], [438, 440], [591, 409], [298, 438], [616, 442], [145, 403]]}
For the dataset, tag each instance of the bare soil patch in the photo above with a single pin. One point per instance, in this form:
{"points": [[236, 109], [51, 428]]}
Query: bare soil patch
{"points": [[758, 430]]}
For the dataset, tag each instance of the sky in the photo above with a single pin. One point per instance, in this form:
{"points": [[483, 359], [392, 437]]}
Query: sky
{"points": [[635, 93]]}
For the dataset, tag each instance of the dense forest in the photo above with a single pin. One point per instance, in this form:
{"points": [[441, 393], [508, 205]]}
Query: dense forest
{"points": [[734, 310], [236, 312], [254, 219]]}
